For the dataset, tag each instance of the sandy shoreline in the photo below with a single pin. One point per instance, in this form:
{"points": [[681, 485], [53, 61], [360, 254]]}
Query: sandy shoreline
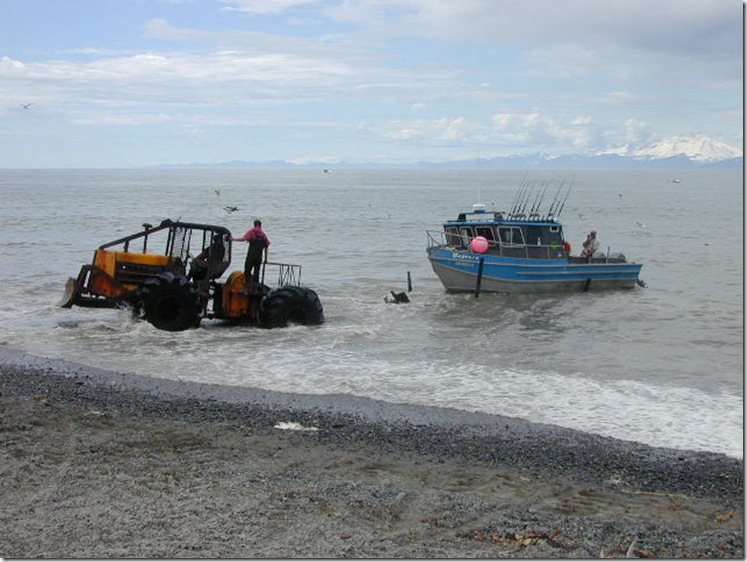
{"points": [[102, 465]]}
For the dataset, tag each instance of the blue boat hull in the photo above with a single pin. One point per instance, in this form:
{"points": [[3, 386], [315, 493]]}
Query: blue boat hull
{"points": [[458, 271]]}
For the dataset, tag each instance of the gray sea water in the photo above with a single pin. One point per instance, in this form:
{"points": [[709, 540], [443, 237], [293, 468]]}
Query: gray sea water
{"points": [[661, 365]]}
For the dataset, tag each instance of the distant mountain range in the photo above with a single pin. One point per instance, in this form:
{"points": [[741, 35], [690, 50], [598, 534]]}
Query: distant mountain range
{"points": [[674, 153], [698, 149]]}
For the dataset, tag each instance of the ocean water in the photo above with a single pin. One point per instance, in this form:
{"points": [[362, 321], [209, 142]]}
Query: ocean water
{"points": [[662, 365]]}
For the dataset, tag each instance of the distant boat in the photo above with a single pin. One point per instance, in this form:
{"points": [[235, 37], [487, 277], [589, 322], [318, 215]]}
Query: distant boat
{"points": [[514, 252], [675, 180]]}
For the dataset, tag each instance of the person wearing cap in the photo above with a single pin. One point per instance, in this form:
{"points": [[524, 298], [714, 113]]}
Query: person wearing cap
{"points": [[591, 245], [258, 246]]}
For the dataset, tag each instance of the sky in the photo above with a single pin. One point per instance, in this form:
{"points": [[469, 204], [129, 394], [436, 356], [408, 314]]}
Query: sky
{"points": [[123, 83]]}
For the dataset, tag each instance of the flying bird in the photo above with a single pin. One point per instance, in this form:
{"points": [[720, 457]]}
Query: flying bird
{"points": [[26, 105], [230, 209]]}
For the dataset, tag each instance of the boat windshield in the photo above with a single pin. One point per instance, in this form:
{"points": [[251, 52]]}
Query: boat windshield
{"points": [[519, 239]]}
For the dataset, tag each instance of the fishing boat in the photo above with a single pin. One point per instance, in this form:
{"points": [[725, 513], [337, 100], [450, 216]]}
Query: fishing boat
{"points": [[521, 251]]}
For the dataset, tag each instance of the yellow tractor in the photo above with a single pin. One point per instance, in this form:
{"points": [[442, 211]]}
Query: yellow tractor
{"points": [[169, 275]]}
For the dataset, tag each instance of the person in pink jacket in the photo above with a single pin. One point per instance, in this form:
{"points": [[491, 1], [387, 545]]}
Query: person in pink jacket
{"points": [[258, 249]]}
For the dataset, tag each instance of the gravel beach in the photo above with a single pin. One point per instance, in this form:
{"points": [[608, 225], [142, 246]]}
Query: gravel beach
{"points": [[113, 465]]}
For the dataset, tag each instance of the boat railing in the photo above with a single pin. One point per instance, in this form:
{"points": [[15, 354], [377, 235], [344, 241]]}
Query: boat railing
{"points": [[529, 251], [438, 238], [287, 274]]}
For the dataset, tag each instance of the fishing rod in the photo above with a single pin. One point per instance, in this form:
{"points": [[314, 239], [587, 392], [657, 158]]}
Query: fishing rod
{"points": [[519, 198], [534, 202], [526, 198], [515, 201], [555, 200], [539, 199], [567, 193], [524, 182]]}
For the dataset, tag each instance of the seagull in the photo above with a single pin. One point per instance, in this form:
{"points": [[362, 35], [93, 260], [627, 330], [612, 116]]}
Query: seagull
{"points": [[230, 209], [217, 191], [26, 105]]}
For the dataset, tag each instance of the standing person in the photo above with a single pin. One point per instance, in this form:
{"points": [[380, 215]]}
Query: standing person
{"points": [[258, 247], [591, 245]]}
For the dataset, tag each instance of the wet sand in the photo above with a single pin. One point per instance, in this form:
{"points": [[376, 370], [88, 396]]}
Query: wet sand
{"points": [[113, 465]]}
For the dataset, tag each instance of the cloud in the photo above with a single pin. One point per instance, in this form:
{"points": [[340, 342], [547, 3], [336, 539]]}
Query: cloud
{"points": [[533, 130], [179, 78], [123, 118], [444, 130], [230, 68], [265, 7], [579, 36], [503, 133], [9, 66], [637, 132]]}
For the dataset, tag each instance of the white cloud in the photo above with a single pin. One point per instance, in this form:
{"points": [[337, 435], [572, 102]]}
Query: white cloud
{"points": [[535, 130], [123, 118], [505, 133], [572, 37], [637, 132], [178, 78], [8, 65], [444, 130], [265, 7]]}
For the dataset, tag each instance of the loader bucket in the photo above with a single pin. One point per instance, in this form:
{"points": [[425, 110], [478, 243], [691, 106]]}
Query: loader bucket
{"points": [[71, 292]]}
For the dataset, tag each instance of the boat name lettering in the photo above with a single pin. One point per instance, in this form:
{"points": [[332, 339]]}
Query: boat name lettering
{"points": [[461, 256]]}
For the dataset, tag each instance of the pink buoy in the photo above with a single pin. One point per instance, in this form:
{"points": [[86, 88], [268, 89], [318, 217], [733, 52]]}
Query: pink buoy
{"points": [[479, 244]]}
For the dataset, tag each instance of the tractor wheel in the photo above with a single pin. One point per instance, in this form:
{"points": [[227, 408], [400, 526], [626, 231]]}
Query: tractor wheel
{"points": [[171, 303], [296, 305]]}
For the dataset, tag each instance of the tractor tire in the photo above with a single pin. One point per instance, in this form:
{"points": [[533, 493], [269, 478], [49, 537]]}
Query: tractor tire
{"points": [[171, 303], [296, 305]]}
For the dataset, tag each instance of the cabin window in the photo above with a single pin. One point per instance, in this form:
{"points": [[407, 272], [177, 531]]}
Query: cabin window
{"points": [[544, 235], [452, 236], [554, 236], [485, 231], [511, 235], [535, 235], [466, 232]]}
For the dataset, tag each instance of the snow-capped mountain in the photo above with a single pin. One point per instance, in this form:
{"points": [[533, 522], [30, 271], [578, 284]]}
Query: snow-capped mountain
{"points": [[697, 148]]}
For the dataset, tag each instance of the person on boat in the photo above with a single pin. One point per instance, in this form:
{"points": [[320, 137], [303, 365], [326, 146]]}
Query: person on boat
{"points": [[258, 246], [591, 245]]}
